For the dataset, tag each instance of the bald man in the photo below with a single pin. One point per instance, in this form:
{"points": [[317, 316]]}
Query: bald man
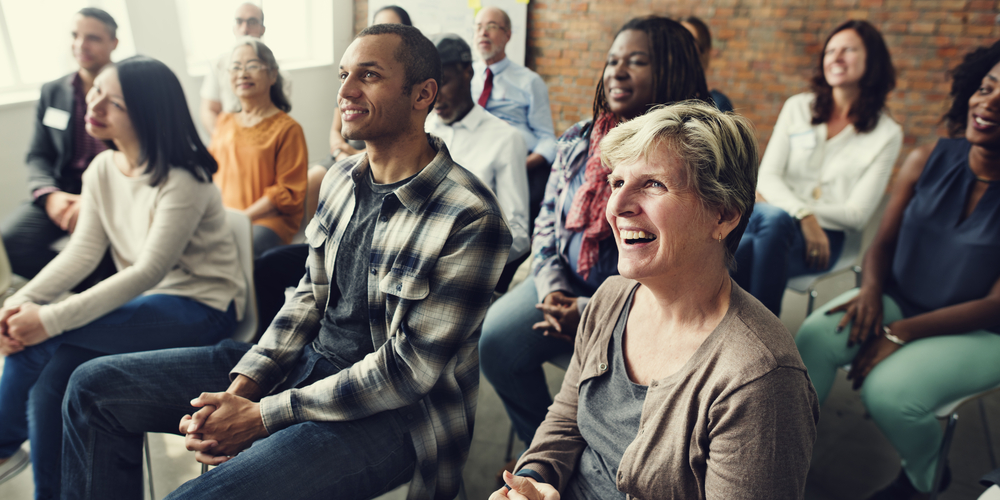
{"points": [[216, 91], [514, 94]]}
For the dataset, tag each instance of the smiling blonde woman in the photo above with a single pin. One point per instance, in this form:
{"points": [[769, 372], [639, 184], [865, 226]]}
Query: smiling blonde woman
{"points": [[701, 393]]}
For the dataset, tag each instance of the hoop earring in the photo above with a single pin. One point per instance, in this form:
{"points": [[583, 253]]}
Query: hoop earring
{"points": [[720, 237]]}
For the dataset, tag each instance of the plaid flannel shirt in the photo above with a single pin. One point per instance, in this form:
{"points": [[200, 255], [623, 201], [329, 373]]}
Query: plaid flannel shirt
{"points": [[438, 248]]}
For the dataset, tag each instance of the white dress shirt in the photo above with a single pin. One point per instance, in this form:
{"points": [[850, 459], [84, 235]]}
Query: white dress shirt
{"points": [[841, 180], [520, 98], [494, 151]]}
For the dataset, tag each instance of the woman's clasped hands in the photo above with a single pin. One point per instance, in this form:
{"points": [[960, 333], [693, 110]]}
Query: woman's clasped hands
{"points": [[20, 326]]}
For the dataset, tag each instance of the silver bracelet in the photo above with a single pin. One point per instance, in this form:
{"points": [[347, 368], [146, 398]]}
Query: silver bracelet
{"points": [[887, 333]]}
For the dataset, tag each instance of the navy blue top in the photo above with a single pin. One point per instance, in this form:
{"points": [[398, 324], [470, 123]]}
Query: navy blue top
{"points": [[721, 101], [942, 260]]}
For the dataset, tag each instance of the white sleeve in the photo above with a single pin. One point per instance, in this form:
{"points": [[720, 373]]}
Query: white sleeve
{"points": [[771, 177], [512, 192], [210, 85], [178, 213]]}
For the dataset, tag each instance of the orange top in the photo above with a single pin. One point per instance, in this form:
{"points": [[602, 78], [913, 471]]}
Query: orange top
{"points": [[267, 159]]}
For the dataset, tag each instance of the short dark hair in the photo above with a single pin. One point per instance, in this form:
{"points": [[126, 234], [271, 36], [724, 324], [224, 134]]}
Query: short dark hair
{"points": [[403, 16], [965, 80], [879, 79], [159, 114], [419, 56], [677, 71], [103, 17]]}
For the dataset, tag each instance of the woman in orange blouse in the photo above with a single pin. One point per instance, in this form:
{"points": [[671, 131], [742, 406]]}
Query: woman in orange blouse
{"points": [[261, 150]]}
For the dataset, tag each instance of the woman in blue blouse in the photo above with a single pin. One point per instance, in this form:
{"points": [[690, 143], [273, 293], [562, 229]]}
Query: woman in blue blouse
{"points": [[922, 330]]}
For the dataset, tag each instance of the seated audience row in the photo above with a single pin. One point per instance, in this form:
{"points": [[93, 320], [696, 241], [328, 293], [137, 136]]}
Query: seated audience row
{"points": [[380, 373]]}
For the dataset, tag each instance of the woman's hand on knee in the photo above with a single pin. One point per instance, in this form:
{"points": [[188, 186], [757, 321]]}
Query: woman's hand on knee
{"points": [[817, 243], [871, 354], [25, 325], [864, 313]]}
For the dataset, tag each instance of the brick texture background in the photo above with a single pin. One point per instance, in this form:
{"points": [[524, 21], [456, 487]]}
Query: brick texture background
{"points": [[764, 50]]}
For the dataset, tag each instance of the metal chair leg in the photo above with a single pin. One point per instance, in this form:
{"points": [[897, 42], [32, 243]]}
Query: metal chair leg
{"points": [[149, 465], [949, 433], [510, 445], [812, 300]]}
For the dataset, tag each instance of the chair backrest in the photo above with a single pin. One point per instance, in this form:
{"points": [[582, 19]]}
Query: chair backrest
{"points": [[5, 272], [246, 330]]}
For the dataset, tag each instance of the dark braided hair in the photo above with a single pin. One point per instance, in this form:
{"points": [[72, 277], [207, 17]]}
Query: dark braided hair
{"points": [[879, 79], [677, 72], [965, 80]]}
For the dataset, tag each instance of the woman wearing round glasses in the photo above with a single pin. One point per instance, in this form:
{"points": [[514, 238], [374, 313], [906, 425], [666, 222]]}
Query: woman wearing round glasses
{"points": [[261, 150]]}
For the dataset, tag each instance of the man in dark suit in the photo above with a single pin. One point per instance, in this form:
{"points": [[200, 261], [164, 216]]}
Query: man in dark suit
{"points": [[60, 150]]}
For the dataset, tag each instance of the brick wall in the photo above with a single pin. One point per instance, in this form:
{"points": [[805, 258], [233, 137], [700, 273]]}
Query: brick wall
{"points": [[764, 50]]}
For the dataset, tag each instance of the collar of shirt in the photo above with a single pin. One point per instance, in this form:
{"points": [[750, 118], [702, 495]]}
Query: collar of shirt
{"points": [[499, 66], [470, 121], [415, 194]]}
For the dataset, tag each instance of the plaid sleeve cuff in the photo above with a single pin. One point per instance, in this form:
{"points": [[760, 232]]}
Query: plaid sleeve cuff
{"points": [[259, 367], [276, 411]]}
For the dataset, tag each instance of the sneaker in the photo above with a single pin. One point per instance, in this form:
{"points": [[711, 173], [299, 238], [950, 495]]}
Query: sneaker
{"points": [[15, 464], [902, 489]]}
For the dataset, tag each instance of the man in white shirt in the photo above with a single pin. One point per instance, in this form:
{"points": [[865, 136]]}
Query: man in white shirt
{"points": [[483, 144], [514, 94], [216, 91]]}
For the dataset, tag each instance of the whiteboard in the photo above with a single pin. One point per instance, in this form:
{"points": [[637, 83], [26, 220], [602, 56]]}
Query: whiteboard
{"points": [[456, 16]]}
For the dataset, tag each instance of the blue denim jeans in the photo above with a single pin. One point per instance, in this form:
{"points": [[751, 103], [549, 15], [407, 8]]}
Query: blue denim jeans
{"points": [[511, 356], [34, 380], [773, 250], [112, 401]]}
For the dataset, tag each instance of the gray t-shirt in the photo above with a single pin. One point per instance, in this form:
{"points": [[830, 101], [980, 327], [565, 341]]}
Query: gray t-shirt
{"points": [[345, 335], [608, 419]]}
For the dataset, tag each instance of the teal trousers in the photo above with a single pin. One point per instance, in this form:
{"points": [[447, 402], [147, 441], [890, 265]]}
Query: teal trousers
{"points": [[903, 391]]}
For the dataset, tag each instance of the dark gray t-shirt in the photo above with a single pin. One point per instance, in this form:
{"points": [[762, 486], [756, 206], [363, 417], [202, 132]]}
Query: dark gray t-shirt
{"points": [[345, 335], [608, 418]]}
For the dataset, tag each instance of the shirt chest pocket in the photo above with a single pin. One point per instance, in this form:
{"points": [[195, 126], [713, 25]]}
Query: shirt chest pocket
{"points": [[404, 287]]}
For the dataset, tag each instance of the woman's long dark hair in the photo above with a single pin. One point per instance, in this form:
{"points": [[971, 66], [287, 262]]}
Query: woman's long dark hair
{"points": [[161, 120], [966, 79], [677, 72], [879, 79]]}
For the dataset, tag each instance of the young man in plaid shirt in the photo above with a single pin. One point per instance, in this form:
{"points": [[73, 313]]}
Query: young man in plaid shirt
{"points": [[368, 377]]}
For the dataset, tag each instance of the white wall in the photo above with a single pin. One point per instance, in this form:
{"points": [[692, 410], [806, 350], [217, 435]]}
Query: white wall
{"points": [[157, 34]]}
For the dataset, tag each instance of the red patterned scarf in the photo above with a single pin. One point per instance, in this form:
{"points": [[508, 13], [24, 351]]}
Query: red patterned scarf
{"points": [[586, 214]]}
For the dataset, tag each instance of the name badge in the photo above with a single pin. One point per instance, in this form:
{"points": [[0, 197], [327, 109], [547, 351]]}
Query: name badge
{"points": [[803, 140], [56, 118]]}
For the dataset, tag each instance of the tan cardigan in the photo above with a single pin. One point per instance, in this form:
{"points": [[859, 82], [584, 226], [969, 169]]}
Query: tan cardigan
{"points": [[738, 421]]}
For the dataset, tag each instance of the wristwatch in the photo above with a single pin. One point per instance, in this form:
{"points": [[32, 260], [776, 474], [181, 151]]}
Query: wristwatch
{"points": [[336, 153], [802, 213]]}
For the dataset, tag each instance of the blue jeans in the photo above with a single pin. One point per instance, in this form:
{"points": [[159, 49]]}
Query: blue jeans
{"points": [[112, 401], [34, 380], [511, 356], [773, 250]]}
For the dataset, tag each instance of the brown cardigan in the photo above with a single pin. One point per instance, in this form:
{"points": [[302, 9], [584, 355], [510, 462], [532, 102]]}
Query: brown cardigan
{"points": [[738, 421]]}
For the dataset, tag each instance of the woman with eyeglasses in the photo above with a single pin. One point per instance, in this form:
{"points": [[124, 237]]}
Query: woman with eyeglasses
{"points": [[261, 150]]}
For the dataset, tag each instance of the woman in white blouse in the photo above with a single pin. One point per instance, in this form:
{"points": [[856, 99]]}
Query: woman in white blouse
{"points": [[151, 200], [825, 168]]}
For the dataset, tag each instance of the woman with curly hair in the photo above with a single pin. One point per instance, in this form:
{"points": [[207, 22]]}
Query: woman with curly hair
{"points": [[923, 327], [826, 166]]}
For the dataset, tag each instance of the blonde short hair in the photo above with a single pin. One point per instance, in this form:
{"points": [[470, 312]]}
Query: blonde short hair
{"points": [[718, 150]]}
